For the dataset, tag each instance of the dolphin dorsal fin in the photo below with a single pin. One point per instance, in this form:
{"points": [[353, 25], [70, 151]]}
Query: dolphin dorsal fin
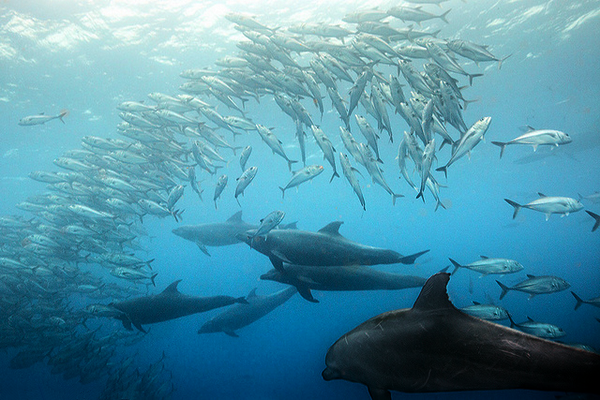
{"points": [[235, 217], [433, 296], [251, 294], [172, 288], [332, 228], [541, 194], [484, 257], [476, 303], [529, 319], [530, 276]]}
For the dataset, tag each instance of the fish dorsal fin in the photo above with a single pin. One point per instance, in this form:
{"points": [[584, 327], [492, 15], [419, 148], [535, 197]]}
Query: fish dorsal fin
{"points": [[541, 194], [251, 294], [530, 276], [484, 257], [237, 217], [172, 288], [332, 228], [476, 303], [433, 296]]}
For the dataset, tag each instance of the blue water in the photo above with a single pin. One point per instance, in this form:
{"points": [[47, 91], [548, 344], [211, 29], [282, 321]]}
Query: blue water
{"points": [[88, 57]]}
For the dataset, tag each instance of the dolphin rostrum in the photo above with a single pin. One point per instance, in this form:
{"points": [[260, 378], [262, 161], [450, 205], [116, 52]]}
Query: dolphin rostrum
{"points": [[433, 347], [167, 305], [241, 315], [323, 248], [215, 234], [340, 278]]}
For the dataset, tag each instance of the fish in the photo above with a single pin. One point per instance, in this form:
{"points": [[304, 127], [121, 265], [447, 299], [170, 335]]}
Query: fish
{"points": [[487, 266], [244, 180], [348, 171], [326, 147], [433, 347], [534, 285], [244, 156], [41, 119], [241, 315], [539, 329], [405, 13], [535, 138], [549, 205], [340, 278], [489, 312], [467, 142], [323, 248], [594, 302], [215, 233], [303, 175], [274, 144], [219, 187], [167, 305], [269, 222]]}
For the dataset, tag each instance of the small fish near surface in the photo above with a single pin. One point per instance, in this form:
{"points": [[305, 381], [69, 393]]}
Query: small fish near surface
{"points": [[323, 248], [42, 119], [340, 278], [433, 347], [167, 305], [535, 285], [241, 315], [549, 205]]}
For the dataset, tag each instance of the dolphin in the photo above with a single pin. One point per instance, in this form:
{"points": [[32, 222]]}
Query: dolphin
{"points": [[167, 305], [342, 278], [434, 347], [241, 315], [215, 234], [323, 248]]}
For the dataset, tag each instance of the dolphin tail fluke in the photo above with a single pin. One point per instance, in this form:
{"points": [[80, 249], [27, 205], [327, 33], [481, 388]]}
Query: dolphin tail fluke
{"points": [[505, 289], [456, 265], [502, 146], [241, 300], [596, 217], [579, 301], [412, 258], [517, 207]]}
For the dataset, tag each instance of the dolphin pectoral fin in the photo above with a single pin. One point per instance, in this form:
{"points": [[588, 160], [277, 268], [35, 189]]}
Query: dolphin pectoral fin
{"points": [[412, 258], [202, 247], [306, 294], [281, 256], [127, 323], [277, 263], [379, 394], [231, 333], [138, 326]]}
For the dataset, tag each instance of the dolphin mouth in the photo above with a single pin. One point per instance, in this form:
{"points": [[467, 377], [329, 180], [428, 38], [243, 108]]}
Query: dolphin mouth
{"points": [[329, 374]]}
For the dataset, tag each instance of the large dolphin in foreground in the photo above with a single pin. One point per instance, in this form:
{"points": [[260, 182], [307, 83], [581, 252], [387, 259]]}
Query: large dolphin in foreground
{"points": [[215, 234], [342, 278], [241, 315], [167, 305], [323, 248], [433, 347]]}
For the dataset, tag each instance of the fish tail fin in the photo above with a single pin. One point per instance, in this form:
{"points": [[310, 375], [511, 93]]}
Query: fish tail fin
{"points": [[502, 146], [412, 258], [396, 196], [456, 265], [445, 169], [443, 16], [439, 203], [502, 60], [517, 207], [579, 301], [282, 192], [596, 217], [512, 322], [467, 102], [290, 162], [62, 114], [446, 140], [235, 148], [334, 175], [152, 279], [471, 76], [505, 289]]}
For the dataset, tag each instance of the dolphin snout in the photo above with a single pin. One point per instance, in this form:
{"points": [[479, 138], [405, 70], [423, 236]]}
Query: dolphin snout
{"points": [[329, 374]]}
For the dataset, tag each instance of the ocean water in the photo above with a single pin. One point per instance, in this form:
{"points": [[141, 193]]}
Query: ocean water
{"points": [[89, 56]]}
